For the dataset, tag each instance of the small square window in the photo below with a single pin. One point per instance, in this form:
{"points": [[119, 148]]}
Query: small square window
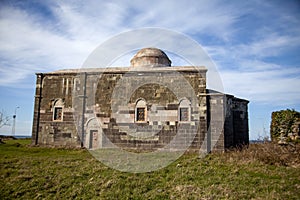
{"points": [[57, 113], [140, 114], [184, 114]]}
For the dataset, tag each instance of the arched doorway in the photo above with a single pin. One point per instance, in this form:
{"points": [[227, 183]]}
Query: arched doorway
{"points": [[93, 134]]}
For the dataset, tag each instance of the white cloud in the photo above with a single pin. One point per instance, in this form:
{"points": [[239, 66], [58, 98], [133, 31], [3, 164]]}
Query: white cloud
{"points": [[255, 51], [245, 39], [28, 45], [270, 87], [271, 45], [188, 16], [257, 68]]}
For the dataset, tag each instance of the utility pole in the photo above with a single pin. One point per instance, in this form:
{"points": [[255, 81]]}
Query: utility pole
{"points": [[13, 131], [83, 109]]}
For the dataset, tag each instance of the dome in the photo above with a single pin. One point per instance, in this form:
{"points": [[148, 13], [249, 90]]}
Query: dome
{"points": [[150, 57]]}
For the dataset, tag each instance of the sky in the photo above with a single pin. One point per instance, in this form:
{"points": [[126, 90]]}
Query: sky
{"points": [[255, 46]]}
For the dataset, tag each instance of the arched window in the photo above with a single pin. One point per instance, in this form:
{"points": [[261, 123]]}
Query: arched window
{"points": [[184, 110], [58, 110], [141, 111]]}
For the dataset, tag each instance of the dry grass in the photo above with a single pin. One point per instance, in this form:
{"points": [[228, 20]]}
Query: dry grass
{"points": [[266, 153], [262, 171]]}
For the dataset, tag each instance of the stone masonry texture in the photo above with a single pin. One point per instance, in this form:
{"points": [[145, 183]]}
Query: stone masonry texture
{"points": [[100, 105]]}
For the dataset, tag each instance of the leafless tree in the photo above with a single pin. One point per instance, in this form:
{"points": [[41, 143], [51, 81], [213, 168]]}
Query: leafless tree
{"points": [[4, 119]]}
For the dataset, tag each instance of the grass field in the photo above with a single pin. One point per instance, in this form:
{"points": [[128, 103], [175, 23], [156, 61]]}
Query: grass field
{"points": [[263, 171]]}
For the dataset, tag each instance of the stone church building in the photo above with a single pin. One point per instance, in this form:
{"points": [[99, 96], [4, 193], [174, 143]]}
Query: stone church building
{"points": [[147, 106]]}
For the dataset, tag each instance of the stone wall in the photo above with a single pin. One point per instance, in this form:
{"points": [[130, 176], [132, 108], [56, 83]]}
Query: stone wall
{"points": [[215, 122], [239, 110], [285, 126], [54, 91], [96, 108], [227, 121], [69, 89]]}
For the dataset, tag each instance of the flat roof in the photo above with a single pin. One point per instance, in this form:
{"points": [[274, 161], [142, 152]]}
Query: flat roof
{"points": [[131, 69]]}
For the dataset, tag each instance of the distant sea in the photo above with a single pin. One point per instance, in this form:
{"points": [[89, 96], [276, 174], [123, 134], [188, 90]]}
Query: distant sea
{"points": [[22, 136], [19, 136], [256, 141]]}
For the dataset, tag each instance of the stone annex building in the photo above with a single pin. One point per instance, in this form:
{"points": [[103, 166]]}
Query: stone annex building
{"points": [[141, 107]]}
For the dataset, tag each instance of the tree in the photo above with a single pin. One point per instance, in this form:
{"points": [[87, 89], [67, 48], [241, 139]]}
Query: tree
{"points": [[4, 120]]}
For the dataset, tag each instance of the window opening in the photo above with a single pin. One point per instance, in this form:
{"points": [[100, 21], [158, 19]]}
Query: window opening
{"points": [[140, 114], [141, 111], [184, 114], [57, 113]]}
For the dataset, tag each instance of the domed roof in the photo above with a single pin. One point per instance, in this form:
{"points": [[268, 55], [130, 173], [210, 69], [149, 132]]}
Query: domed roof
{"points": [[150, 57]]}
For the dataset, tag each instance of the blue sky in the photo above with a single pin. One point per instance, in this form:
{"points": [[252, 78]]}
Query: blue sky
{"points": [[255, 46]]}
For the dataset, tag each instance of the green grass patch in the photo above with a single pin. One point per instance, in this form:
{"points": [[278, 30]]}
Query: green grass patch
{"points": [[49, 173]]}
